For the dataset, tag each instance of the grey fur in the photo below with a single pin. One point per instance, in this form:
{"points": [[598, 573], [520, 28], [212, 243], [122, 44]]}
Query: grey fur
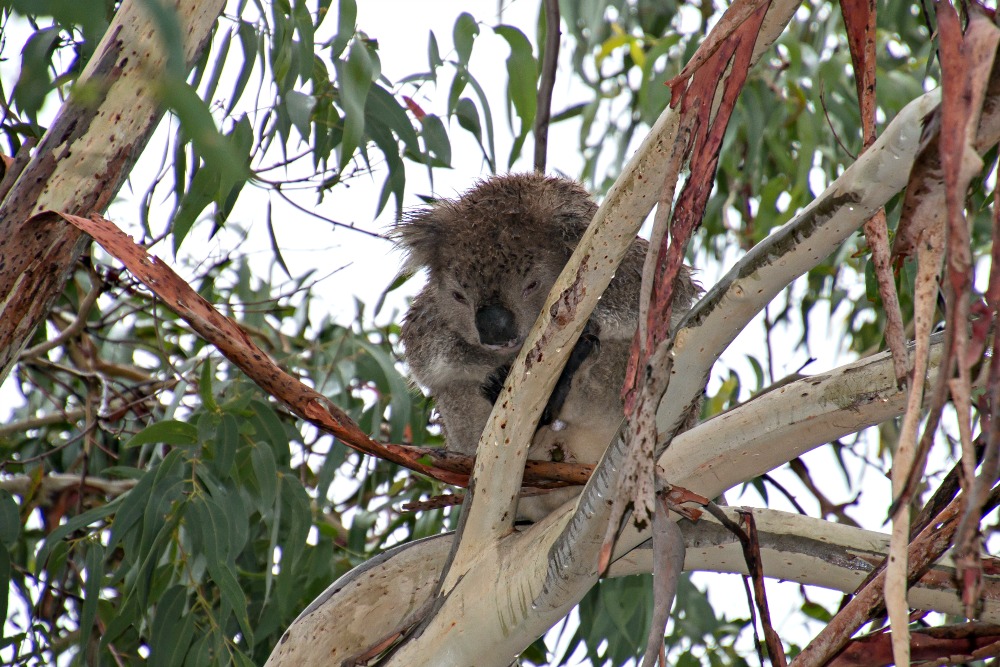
{"points": [[501, 245]]}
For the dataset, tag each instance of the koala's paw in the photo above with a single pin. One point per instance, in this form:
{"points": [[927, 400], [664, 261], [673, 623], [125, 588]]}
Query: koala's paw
{"points": [[494, 383]]}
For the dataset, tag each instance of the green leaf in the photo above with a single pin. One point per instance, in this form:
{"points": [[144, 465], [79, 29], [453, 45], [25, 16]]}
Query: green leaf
{"points": [[464, 33], [266, 473], [395, 181], [355, 79], [139, 496], [220, 60], [168, 432], [487, 116], [297, 512], [205, 386], [233, 598], [269, 429], [396, 283], [226, 442], [816, 611], [382, 108], [522, 73], [34, 82], [433, 53], [300, 107], [207, 523], [94, 566], [616, 40], [203, 190], [10, 520], [468, 118], [436, 139], [248, 42], [347, 17], [197, 123], [6, 583], [172, 629], [275, 248], [76, 523], [90, 15]]}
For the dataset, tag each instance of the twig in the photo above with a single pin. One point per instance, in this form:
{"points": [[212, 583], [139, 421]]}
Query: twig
{"points": [[75, 327], [335, 223], [24, 485], [550, 61]]}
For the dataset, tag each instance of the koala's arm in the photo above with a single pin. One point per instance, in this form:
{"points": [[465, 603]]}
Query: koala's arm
{"points": [[436, 355], [588, 344], [450, 370]]}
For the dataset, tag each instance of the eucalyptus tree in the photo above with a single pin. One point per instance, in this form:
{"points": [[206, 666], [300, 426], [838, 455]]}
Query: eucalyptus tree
{"points": [[190, 463]]}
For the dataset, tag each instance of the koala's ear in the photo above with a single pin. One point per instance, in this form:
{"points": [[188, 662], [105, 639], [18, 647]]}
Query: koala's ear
{"points": [[572, 226], [569, 208], [420, 234]]}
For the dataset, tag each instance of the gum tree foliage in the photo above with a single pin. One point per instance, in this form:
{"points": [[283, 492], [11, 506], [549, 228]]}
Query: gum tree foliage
{"points": [[156, 506]]}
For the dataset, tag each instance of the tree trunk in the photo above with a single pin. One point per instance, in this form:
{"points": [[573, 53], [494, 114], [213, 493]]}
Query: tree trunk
{"points": [[82, 161]]}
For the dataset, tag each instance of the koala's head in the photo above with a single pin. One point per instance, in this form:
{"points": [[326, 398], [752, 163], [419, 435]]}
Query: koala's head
{"points": [[493, 254]]}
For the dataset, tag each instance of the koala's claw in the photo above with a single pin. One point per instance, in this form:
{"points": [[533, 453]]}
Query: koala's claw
{"points": [[494, 383]]}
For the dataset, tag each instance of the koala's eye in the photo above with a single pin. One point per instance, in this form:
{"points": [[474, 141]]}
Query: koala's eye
{"points": [[532, 286], [459, 297]]}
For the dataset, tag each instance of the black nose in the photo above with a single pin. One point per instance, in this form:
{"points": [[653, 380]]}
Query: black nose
{"points": [[496, 325]]}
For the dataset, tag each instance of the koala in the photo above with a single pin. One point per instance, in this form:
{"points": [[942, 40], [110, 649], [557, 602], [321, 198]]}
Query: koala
{"points": [[491, 256]]}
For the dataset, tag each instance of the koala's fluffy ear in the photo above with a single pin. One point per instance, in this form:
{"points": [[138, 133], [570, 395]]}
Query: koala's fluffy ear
{"points": [[572, 228], [420, 233], [573, 220]]}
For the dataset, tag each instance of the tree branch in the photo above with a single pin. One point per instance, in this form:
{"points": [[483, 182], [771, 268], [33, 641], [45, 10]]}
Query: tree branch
{"points": [[808, 551], [550, 63], [758, 435]]}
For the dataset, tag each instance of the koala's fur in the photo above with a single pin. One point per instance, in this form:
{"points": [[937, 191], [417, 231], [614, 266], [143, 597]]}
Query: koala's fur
{"points": [[492, 255]]}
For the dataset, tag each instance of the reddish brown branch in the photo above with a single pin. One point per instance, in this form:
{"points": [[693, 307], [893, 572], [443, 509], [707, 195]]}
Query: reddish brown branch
{"points": [[237, 346], [859, 19], [941, 645]]}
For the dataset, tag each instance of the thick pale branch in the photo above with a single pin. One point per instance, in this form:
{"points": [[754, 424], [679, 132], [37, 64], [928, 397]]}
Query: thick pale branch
{"points": [[716, 455], [787, 422], [375, 599], [365, 605], [811, 236], [810, 551]]}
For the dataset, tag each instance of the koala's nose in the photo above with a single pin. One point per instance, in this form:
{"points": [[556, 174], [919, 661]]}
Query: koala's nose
{"points": [[496, 325]]}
